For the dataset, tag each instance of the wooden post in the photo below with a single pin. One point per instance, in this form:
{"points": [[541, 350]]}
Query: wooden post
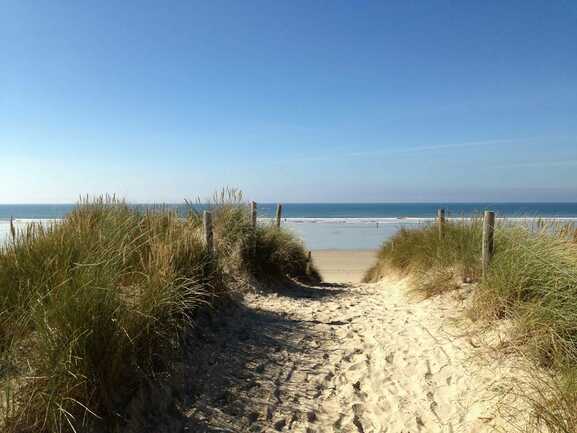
{"points": [[441, 222], [253, 241], [278, 214], [488, 240], [207, 225], [12, 229], [309, 262], [253, 214]]}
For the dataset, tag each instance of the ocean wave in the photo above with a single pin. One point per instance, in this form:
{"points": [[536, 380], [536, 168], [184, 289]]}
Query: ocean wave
{"points": [[408, 220], [337, 220], [29, 220]]}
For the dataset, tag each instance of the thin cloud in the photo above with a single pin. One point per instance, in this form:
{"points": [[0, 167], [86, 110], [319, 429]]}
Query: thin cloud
{"points": [[416, 149], [539, 164], [434, 147]]}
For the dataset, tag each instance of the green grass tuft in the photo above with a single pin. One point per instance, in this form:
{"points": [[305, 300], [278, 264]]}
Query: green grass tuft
{"points": [[532, 279], [93, 309], [422, 249]]}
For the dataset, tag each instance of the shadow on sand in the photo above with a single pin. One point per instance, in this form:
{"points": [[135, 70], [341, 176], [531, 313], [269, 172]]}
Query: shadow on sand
{"points": [[235, 360], [236, 364], [296, 290]]}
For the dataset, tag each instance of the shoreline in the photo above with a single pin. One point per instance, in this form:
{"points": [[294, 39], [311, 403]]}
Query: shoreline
{"points": [[357, 220], [344, 234]]}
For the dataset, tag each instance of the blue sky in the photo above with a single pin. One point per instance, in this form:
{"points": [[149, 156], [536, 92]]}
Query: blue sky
{"points": [[290, 101]]}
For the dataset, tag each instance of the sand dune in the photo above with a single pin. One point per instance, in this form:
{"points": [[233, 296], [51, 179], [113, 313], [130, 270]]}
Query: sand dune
{"points": [[344, 358]]}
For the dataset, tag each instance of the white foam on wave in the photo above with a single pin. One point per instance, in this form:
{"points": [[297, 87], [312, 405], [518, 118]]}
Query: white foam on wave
{"points": [[354, 220], [30, 220], [337, 220], [409, 220]]}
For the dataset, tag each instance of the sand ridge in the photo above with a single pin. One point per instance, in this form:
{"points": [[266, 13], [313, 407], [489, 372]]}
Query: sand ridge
{"points": [[362, 358]]}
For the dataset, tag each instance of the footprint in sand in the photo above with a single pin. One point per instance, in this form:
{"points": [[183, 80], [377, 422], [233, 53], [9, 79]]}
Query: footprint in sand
{"points": [[358, 410], [429, 374], [420, 423], [280, 425], [314, 367], [357, 366]]}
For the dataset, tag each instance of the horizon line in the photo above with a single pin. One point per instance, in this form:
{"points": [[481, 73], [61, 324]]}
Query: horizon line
{"points": [[312, 202]]}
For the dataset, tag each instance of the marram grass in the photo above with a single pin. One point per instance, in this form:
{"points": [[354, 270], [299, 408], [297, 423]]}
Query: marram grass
{"points": [[423, 249], [94, 308], [532, 280]]}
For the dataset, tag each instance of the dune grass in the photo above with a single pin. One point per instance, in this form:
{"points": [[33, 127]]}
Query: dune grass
{"points": [[532, 280], [436, 259], [264, 253], [94, 309]]}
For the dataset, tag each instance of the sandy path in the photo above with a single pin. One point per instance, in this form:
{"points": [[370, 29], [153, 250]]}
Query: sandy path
{"points": [[362, 358]]}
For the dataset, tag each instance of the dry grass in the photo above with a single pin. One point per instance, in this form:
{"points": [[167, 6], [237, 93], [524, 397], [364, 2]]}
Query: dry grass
{"points": [[94, 309]]}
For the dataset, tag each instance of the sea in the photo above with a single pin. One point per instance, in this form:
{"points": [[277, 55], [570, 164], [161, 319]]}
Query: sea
{"points": [[326, 226]]}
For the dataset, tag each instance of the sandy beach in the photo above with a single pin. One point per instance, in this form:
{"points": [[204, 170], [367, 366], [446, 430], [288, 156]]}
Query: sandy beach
{"points": [[344, 357], [343, 266]]}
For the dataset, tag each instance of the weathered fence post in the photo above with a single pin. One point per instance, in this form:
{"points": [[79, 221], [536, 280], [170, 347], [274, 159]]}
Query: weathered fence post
{"points": [[207, 226], [12, 229], [488, 240], [253, 241], [253, 214], [441, 222], [278, 214]]}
